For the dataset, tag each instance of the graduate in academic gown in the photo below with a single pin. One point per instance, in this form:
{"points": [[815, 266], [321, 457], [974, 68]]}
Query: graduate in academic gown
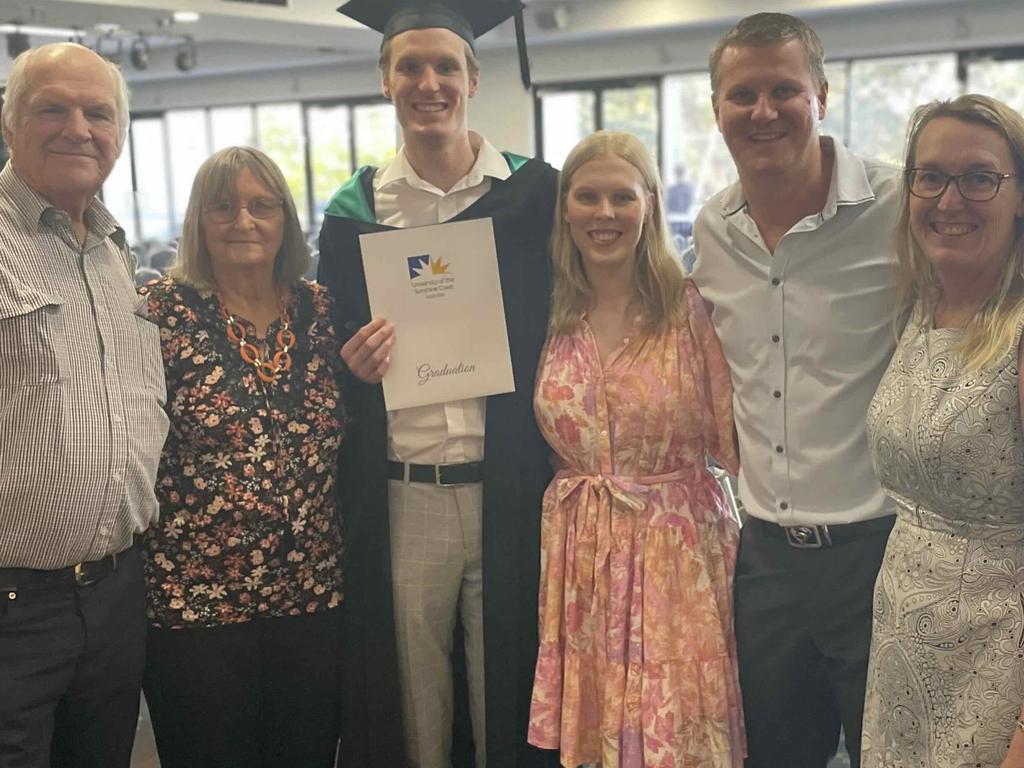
{"points": [[515, 467]]}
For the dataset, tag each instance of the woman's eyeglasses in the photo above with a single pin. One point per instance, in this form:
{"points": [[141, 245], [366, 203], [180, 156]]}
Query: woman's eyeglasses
{"points": [[226, 211], [976, 186]]}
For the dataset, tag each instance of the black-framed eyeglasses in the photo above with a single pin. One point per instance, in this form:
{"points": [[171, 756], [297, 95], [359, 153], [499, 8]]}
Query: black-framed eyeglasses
{"points": [[226, 211], [976, 186]]}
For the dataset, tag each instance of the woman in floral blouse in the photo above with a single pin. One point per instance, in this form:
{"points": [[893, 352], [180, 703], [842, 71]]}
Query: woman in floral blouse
{"points": [[637, 661], [243, 569]]}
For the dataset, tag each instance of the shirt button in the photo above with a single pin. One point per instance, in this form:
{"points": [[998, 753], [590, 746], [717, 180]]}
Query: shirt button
{"points": [[116, 477], [775, 338], [776, 394], [778, 449], [604, 433], [783, 505], [117, 418], [775, 281]]}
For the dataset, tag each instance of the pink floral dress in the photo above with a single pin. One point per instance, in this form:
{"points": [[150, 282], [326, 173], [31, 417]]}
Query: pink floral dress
{"points": [[637, 662]]}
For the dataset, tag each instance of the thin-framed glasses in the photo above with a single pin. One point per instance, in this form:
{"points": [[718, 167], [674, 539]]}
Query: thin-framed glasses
{"points": [[226, 211], [976, 186]]}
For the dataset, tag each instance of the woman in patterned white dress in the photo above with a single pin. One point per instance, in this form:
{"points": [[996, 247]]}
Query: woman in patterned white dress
{"points": [[946, 672], [637, 661]]}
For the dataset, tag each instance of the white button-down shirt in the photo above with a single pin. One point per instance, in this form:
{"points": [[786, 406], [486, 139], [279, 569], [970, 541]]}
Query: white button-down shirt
{"points": [[808, 332], [445, 433]]}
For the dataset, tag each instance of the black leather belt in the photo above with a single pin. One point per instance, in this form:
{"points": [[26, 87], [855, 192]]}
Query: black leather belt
{"points": [[80, 574], [822, 536], [437, 474]]}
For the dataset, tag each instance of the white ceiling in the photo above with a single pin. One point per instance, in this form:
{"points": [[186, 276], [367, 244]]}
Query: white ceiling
{"points": [[237, 36]]}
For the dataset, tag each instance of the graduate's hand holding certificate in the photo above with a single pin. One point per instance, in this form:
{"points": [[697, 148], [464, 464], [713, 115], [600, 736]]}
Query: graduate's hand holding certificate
{"points": [[440, 287], [368, 353]]}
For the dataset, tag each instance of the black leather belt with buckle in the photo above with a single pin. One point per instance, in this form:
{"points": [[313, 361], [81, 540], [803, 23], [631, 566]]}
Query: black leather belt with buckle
{"points": [[437, 474], [807, 536], [80, 574], [822, 536]]}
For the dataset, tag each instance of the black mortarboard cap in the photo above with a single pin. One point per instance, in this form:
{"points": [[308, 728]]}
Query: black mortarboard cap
{"points": [[469, 19]]}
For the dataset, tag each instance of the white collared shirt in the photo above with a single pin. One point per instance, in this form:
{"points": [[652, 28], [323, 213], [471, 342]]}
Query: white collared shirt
{"points": [[808, 333], [445, 433]]}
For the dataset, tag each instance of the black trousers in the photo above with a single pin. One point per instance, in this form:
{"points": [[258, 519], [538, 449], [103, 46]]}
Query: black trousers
{"points": [[803, 628], [71, 662], [261, 693]]}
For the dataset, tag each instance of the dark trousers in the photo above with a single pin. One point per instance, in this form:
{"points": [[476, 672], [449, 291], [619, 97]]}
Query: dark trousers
{"points": [[803, 627], [262, 693], [71, 663]]}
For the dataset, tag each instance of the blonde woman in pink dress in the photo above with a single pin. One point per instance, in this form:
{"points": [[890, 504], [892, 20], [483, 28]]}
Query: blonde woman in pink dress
{"points": [[637, 663]]}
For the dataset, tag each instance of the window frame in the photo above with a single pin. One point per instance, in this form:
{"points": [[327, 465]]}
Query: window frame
{"points": [[351, 103]]}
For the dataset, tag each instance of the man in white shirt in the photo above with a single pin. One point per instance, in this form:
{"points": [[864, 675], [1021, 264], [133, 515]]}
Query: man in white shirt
{"points": [[797, 259], [442, 502]]}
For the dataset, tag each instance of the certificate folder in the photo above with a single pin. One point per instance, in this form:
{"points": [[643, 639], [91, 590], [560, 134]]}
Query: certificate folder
{"points": [[439, 285]]}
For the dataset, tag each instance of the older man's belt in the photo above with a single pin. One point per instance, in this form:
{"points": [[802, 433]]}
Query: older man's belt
{"points": [[81, 574]]}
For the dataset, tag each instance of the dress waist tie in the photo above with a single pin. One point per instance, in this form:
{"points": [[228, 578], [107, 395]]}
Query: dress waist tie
{"points": [[604, 510]]}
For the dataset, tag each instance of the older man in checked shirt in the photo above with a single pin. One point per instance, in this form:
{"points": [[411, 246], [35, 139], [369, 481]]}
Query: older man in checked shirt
{"points": [[81, 423]]}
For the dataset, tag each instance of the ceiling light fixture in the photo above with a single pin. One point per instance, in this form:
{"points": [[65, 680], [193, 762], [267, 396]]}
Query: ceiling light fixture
{"points": [[14, 28], [17, 44], [185, 60], [110, 48], [140, 52], [185, 17]]}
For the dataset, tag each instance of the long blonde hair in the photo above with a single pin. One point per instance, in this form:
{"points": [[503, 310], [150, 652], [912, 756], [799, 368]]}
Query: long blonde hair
{"points": [[660, 283], [991, 331]]}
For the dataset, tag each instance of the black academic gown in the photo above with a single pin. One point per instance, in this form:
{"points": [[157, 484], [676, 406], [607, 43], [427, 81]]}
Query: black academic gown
{"points": [[516, 472]]}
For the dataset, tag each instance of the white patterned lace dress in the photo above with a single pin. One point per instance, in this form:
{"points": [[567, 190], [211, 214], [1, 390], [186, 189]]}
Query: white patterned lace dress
{"points": [[946, 675]]}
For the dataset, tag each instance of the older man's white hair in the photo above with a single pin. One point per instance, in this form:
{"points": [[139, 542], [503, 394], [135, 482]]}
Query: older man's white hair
{"points": [[19, 84]]}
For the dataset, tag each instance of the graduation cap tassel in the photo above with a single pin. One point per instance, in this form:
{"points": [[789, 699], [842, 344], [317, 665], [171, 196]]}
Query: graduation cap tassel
{"points": [[524, 59]]}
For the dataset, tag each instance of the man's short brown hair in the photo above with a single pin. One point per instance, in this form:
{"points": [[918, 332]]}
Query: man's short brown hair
{"points": [[764, 29]]}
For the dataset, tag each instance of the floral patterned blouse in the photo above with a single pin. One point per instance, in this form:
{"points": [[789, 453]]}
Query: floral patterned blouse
{"points": [[249, 523]]}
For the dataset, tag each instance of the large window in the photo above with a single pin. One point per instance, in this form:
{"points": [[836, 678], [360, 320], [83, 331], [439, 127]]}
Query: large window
{"points": [[566, 117], [696, 161], [330, 152], [281, 136], [118, 194], [868, 106], [835, 121], [316, 145], [153, 196], [633, 109], [884, 93], [1002, 79], [186, 132], [376, 133], [232, 127], [567, 114]]}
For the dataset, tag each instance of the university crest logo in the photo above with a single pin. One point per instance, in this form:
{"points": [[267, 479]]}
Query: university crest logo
{"points": [[422, 265]]}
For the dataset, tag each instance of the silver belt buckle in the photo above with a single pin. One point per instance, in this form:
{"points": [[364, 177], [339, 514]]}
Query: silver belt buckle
{"points": [[807, 536], [437, 475]]}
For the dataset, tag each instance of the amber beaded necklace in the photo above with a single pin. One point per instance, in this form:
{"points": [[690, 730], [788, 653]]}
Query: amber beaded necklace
{"points": [[267, 369]]}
